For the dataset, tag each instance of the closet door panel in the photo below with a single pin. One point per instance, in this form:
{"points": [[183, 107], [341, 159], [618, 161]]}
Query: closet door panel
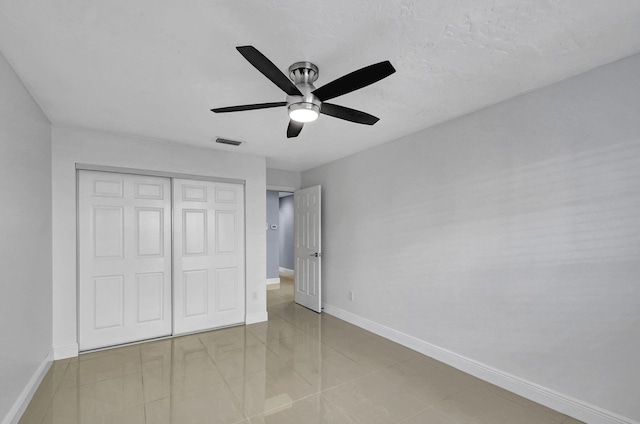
{"points": [[124, 252], [208, 255]]}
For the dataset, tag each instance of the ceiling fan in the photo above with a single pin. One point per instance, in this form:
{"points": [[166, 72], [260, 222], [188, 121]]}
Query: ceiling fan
{"points": [[304, 101]]}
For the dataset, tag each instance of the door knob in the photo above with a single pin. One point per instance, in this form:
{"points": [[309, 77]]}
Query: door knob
{"points": [[317, 255]]}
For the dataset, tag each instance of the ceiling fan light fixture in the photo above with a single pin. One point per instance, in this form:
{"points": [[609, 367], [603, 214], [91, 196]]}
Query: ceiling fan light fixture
{"points": [[304, 112]]}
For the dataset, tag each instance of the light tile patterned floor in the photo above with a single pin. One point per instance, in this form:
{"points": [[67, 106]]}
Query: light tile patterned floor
{"points": [[300, 367]]}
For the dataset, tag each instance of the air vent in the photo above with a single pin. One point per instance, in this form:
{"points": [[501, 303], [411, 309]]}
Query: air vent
{"points": [[226, 141]]}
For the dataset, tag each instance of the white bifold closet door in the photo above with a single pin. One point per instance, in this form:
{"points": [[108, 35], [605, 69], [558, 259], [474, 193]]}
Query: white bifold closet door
{"points": [[124, 234], [208, 249]]}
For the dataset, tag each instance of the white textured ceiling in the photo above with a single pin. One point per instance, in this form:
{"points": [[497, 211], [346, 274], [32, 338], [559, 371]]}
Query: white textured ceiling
{"points": [[155, 68]]}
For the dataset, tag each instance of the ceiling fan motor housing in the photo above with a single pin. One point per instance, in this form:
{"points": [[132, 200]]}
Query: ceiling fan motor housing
{"points": [[303, 75]]}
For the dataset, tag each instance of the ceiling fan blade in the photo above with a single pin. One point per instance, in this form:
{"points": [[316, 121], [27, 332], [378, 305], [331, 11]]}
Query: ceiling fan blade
{"points": [[294, 128], [348, 114], [355, 80], [248, 107], [268, 69]]}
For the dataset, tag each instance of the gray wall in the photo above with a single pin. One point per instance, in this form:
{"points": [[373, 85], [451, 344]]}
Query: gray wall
{"points": [[286, 232], [510, 236], [273, 239], [25, 234]]}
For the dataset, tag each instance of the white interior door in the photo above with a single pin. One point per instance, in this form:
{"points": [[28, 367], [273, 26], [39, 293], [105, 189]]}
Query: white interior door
{"points": [[308, 252], [208, 255], [124, 235]]}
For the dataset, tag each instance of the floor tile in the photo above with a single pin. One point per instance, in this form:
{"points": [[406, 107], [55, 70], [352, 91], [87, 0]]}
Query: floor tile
{"points": [[273, 388], [249, 360], [156, 354], [320, 365], [428, 379], [311, 410], [97, 402], [300, 317], [273, 329], [161, 382], [375, 399], [43, 396], [570, 420], [225, 345], [481, 405], [531, 406], [94, 367], [429, 416], [131, 415], [370, 350], [297, 345], [275, 299], [214, 404], [186, 348]]}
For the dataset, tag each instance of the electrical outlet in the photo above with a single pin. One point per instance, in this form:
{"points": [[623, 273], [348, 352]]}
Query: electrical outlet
{"points": [[254, 295], [352, 296]]}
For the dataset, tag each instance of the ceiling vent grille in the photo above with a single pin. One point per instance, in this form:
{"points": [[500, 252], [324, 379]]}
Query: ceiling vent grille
{"points": [[229, 142]]}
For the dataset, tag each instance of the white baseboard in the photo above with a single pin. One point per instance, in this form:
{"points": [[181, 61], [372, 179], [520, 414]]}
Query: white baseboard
{"points": [[286, 272], [273, 281], [560, 402], [63, 352], [256, 318], [20, 405]]}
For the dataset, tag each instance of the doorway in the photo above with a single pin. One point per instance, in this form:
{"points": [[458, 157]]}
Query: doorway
{"points": [[287, 235], [280, 237]]}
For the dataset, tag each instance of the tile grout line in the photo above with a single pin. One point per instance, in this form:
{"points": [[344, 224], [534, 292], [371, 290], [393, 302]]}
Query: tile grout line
{"points": [[416, 414], [342, 412], [144, 400]]}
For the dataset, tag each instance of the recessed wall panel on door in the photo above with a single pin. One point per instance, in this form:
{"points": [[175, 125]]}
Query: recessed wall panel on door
{"points": [[208, 255], [124, 252]]}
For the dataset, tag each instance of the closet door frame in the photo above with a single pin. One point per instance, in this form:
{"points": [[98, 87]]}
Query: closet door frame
{"points": [[151, 173]]}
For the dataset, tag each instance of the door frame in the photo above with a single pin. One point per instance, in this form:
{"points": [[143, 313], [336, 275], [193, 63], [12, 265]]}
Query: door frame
{"points": [[288, 189], [150, 173]]}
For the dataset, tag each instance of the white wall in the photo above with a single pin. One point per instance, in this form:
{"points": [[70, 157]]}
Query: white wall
{"points": [[71, 146], [509, 237], [25, 243], [283, 180]]}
